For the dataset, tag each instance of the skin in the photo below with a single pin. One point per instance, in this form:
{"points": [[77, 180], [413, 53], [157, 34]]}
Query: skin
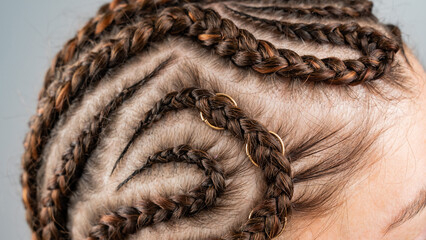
{"points": [[368, 204], [372, 203]]}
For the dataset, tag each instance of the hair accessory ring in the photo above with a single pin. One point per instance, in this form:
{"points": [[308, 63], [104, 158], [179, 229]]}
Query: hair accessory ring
{"points": [[275, 135], [282, 229], [207, 122]]}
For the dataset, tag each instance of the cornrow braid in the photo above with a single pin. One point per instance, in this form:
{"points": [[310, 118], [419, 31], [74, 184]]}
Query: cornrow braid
{"points": [[127, 220], [114, 13], [118, 14], [327, 12], [51, 109], [68, 80], [53, 215], [181, 153], [365, 39], [268, 218]]}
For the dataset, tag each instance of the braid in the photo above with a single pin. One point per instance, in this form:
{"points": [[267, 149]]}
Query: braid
{"points": [[352, 34], [268, 218], [123, 29], [115, 14], [127, 220], [327, 12], [379, 51], [53, 106], [69, 170], [172, 102]]}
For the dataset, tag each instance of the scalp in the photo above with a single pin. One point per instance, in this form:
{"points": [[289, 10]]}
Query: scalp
{"points": [[322, 89]]}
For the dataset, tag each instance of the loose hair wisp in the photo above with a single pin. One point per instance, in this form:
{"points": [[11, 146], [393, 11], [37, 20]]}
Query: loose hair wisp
{"points": [[123, 29]]}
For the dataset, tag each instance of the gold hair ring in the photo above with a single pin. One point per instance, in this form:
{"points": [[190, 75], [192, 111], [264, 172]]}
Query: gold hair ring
{"points": [[282, 229], [275, 135], [250, 214], [207, 122]]}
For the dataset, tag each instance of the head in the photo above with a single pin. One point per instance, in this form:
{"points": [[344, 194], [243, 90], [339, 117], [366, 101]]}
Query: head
{"points": [[164, 119]]}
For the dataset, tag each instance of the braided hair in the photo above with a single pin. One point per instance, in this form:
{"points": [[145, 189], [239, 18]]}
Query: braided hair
{"points": [[124, 31]]}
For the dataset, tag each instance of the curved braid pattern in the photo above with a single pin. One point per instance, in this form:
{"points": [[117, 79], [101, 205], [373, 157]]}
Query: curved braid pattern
{"points": [[366, 39], [127, 220], [118, 14], [52, 107], [210, 30], [359, 10], [267, 218], [53, 215], [115, 14]]}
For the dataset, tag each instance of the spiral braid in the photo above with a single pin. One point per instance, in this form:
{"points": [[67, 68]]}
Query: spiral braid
{"points": [[128, 219], [111, 49], [53, 215], [172, 102], [268, 218], [328, 12], [182, 153]]}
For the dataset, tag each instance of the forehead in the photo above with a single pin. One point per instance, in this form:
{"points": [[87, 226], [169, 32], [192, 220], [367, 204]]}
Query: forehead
{"points": [[395, 182], [295, 116]]}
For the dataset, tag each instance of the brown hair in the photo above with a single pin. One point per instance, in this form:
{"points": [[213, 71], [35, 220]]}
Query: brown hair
{"points": [[122, 30]]}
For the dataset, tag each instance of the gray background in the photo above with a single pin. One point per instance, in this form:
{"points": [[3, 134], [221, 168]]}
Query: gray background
{"points": [[33, 31]]}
